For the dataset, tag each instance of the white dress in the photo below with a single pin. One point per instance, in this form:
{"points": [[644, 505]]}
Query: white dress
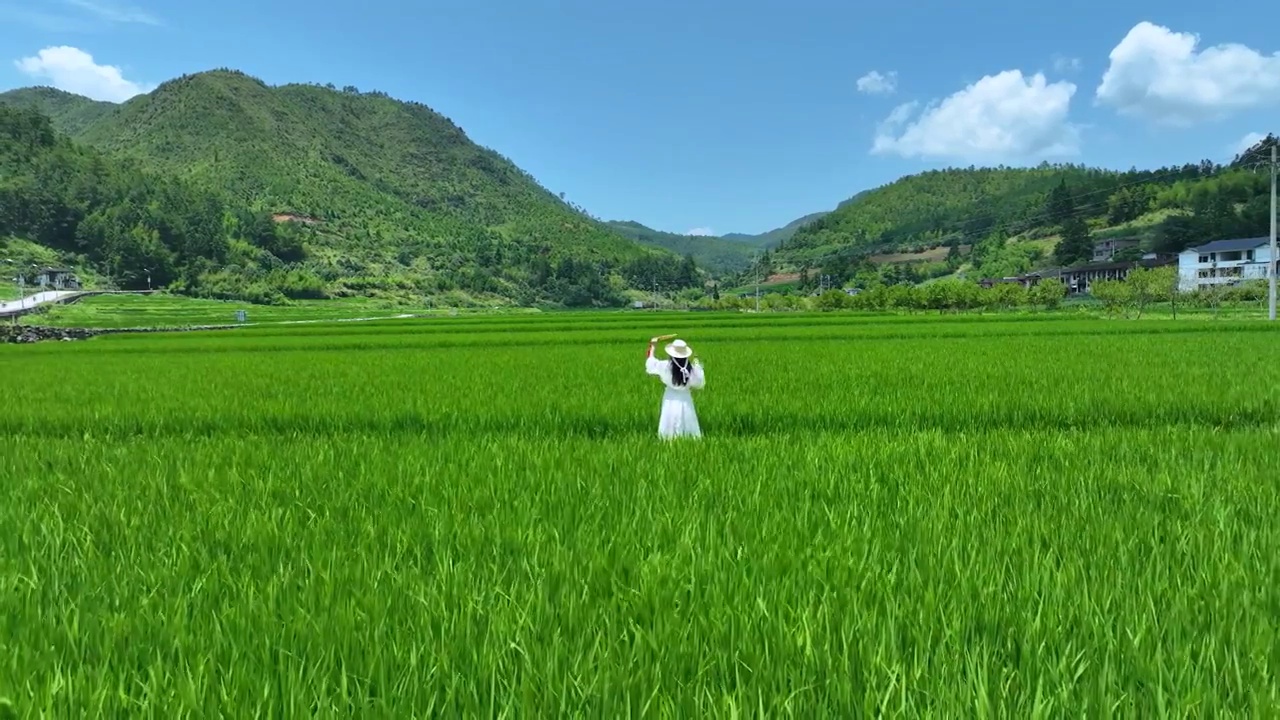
{"points": [[678, 419]]}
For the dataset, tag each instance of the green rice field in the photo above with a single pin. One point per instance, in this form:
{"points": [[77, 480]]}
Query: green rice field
{"points": [[172, 311], [473, 517]]}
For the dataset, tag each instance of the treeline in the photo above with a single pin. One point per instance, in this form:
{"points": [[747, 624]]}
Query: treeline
{"points": [[961, 205], [579, 283], [944, 296], [1223, 202], [126, 222], [981, 209], [854, 271], [1144, 289]]}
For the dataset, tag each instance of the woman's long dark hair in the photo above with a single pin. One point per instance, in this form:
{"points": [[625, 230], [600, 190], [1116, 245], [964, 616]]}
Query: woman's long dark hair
{"points": [[679, 371]]}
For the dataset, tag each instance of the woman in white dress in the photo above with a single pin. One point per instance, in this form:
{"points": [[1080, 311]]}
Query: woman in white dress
{"points": [[681, 374]]}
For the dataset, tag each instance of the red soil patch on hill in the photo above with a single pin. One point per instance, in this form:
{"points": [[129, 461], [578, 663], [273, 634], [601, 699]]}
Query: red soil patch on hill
{"points": [[290, 217]]}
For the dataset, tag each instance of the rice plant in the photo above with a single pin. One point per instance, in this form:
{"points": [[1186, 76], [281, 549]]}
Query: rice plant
{"points": [[474, 517]]}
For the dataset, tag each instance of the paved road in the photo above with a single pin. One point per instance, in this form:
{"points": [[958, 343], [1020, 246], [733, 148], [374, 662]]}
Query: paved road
{"points": [[29, 303]]}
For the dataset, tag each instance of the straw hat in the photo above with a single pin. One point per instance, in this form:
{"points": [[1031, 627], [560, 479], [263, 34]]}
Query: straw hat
{"points": [[679, 349]]}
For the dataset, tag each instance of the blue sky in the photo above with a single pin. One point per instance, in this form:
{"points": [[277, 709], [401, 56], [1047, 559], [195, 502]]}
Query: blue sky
{"points": [[716, 115]]}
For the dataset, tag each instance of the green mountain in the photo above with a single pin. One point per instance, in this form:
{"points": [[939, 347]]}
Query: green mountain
{"points": [[777, 236], [71, 114], [1003, 221], [98, 212], [220, 185], [721, 255], [715, 254], [389, 196], [935, 207]]}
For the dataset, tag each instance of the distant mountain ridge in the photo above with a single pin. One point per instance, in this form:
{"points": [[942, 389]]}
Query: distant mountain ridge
{"points": [[396, 200], [777, 236], [71, 114], [724, 254], [715, 254], [404, 200]]}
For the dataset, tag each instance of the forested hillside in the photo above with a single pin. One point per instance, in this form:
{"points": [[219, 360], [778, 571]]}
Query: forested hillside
{"points": [[71, 114], [725, 254], [131, 224], [713, 253], [1002, 221], [220, 185], [777, 236], [384, 196]]}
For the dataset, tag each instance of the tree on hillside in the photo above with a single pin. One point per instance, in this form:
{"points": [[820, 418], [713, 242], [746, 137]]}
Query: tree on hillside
{"points": [[1129, 254], [1076, 246], [1216, 216], [763, 267], [953, 257], [838, 269], [1258, 154], [1218, 212], [1060, 205], [1176, 233], [654, 272], [1128, 204], [995, 256], [688, 273]]}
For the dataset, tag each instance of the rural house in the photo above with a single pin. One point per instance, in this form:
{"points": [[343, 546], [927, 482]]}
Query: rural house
{"points": [[991, 282], [1079, 279], [1106, 250], [58, 279], [1224, 262]]}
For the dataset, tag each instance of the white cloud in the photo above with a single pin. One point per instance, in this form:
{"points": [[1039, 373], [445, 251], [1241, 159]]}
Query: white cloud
{"points": [[73, 70], [1003, 117], [1158, 74], [115, 13], [875, 83], [703, 231], [1066, 64]]}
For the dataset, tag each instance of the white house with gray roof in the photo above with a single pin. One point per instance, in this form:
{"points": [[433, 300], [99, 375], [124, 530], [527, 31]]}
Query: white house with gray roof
{"points": [[1224, 262]]}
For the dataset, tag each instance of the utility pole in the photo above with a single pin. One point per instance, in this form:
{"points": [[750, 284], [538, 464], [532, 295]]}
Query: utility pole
{"points": [[1271, 271], [758, 270]]}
